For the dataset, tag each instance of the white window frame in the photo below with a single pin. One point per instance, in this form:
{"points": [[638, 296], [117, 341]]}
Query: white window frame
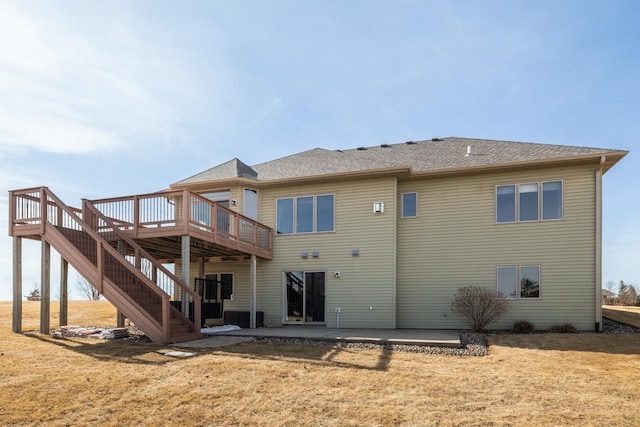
{"points": [[519, 279], [402, 205], [314, 230], [540, 202]]}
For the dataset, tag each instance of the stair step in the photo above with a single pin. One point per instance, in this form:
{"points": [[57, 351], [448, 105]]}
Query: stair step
{"points": [[180, 330]]}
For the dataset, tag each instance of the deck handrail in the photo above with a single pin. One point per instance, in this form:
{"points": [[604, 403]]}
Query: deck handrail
{"points": [[184, 210], [139, 252], [33, 209]]}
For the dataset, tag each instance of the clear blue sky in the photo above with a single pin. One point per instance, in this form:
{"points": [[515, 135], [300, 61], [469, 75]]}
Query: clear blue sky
{"points": [[101, 99]]}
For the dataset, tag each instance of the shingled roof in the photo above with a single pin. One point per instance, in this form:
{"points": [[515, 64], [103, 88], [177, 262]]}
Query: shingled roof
{"points": [[437, 155]]}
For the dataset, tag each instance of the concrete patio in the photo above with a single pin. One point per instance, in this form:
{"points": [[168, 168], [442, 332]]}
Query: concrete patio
{"points": [[425, 337]]}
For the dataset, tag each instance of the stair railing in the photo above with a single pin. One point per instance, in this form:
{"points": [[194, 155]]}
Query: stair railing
{"points": [[34, 210], [138, 257]]}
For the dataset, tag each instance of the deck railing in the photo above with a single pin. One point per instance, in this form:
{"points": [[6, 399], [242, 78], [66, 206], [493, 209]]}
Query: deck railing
{"points": [[184, 212], [32, 211], [138, 257]]}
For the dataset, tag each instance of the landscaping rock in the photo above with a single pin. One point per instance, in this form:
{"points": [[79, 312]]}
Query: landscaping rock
{"points": [[472, 344]]}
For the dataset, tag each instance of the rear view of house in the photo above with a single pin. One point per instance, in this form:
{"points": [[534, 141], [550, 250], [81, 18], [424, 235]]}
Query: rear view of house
{"points": [[374, 237], [383, 236]]}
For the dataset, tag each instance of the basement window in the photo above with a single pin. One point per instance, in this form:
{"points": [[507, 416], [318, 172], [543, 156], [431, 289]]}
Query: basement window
{"points": [[519, 281]]}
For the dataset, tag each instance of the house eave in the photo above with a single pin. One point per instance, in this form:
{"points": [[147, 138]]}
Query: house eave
{"points": [[407, 173]]}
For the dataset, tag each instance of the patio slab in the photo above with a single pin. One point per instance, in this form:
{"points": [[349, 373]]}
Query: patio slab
{"points": [[426, 337]]}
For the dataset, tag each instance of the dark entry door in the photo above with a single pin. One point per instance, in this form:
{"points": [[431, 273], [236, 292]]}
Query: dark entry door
{"points": [[305, 295]]}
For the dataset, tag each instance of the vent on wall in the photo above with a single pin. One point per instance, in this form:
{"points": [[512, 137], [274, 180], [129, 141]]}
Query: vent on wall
{"points": [[378, 207]]}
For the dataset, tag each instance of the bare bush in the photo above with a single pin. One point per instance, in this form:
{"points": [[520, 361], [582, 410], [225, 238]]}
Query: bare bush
{"points": [[479, 305], [567, 328], [523, 327]]}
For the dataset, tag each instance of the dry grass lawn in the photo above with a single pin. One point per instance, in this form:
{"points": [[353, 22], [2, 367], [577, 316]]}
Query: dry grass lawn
{"points": [[541, 379], [623, 314]]}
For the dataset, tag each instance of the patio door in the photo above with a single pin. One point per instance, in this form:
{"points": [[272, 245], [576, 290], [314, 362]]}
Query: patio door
{"points": [[304, 297]]}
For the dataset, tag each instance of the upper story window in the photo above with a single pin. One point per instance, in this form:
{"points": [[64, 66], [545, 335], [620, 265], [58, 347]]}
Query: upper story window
{"points": [[409, 205], [308, 214], [251, 203], [220, 197], [525, 203]]}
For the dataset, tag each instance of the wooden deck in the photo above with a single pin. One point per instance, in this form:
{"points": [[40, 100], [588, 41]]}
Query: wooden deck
{"points": [[108, 258], [157, 222]]}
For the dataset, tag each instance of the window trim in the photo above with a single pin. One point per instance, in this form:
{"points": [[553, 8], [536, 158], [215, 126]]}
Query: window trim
{"points": [[518, 199], [519, 268], [540, 202], [314, 230], [402, 214]]}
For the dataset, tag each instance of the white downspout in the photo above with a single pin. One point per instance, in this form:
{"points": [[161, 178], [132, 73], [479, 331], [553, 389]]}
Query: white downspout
{"points": [[598, 230]]}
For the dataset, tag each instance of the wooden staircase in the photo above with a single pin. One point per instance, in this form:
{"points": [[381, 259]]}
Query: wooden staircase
{"points": [[121, 270]]}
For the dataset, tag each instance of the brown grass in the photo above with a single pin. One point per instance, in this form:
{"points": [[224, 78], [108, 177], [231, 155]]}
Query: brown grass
{"points": [[540, 379], [623, 314]]}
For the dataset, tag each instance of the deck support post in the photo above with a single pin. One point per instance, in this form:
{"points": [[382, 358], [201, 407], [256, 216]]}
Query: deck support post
{"points": [[201, 268], [17, 285], [45, 285], [252, 314], [122, 250], [185, 258], [64, 291]]}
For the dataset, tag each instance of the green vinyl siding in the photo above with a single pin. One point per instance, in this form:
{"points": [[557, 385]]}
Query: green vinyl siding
{"points": [[456, 242], [408, 269], [365, 291]]}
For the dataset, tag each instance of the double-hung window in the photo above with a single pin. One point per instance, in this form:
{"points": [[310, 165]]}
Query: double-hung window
{"points": [[526, 203], [519, 281], [307, 214]]}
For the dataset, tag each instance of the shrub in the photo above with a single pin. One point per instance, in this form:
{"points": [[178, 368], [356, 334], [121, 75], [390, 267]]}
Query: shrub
{"points": [[523, 327], [479, 305], [567, 328]]}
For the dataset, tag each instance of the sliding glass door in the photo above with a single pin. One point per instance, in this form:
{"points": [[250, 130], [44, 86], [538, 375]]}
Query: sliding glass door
{"points": [[304, 297]]}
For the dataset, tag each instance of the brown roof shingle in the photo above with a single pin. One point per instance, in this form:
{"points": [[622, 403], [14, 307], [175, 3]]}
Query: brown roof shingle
{"points": [[437, 155]]}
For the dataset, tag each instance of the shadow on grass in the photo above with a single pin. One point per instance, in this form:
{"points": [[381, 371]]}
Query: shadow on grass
{"points": [[583, 342], [153, 354], [320, 355], [111, 350]]}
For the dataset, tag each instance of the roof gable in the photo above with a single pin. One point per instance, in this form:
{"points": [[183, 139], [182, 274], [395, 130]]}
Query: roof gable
{"points": [[234, 168]]}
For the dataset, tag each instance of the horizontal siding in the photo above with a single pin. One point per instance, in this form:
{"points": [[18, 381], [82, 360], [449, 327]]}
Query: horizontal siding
{"points": [[365, 291], [455, 242]]}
